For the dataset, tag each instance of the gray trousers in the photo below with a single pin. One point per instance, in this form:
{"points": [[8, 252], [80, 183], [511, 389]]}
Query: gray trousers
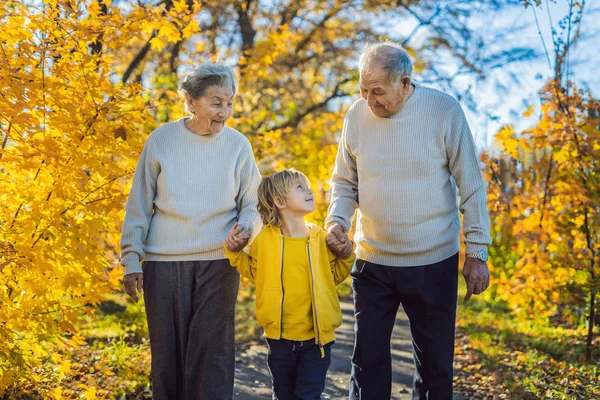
{"points": [[190, 307]]}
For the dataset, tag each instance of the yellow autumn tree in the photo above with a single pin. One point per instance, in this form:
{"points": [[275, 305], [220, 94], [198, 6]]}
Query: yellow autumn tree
{"points": [[545, 196], [69, 144]]}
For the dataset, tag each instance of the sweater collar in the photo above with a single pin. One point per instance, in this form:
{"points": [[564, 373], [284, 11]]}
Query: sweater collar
{"points": [[408, 103], [183, 129]]}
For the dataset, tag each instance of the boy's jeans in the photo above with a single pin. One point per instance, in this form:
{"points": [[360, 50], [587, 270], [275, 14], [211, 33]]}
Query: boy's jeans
{"points": [[297, 370]]}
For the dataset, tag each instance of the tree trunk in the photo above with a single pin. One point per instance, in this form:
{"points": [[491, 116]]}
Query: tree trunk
{"points": [[594, 285], [592, 319]]}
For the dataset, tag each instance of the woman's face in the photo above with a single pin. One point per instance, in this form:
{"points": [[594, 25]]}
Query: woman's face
{"points": [[211, 111]]}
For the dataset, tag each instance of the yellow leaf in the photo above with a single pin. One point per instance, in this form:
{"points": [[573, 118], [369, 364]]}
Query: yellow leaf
{"points": [[180, 6], [90, 393], [561, 155], [157, 44], [57, 393], [190, 29], [94, 9], [169, 32], [65, 367], [39, 351], [529, 111]]}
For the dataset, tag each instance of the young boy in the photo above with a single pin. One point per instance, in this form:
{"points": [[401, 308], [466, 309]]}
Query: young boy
{"points": [[296, 274]]}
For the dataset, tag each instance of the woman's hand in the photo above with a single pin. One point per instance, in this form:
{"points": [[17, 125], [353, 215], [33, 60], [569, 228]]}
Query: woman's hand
{"points": [[237, 238], [133, 282]]}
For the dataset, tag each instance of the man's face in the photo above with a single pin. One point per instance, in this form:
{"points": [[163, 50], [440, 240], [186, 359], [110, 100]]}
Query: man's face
{"points": [[383, 98]]}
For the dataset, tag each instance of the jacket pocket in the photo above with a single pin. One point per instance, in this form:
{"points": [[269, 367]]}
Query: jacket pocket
{"points": [[329, 306], [267, 307]]}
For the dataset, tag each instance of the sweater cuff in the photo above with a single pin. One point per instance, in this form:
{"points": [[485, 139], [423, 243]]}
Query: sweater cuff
{"points": [[473, 247], [253, 223], [330, 221], [132, 264]]}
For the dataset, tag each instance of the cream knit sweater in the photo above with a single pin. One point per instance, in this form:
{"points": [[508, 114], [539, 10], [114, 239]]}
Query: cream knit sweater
{"points": [[404, 174], [188, 191]]}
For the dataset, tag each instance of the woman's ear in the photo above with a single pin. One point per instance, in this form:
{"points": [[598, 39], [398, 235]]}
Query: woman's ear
{"points": [[189, 102]]}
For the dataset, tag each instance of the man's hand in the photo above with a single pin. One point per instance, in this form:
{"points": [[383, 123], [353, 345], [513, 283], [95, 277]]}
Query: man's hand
{"points": [[477, 276], [237, 238], [338, 242], [133, 282]]}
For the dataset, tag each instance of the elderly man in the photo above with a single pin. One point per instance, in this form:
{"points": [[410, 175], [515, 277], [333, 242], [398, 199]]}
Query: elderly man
{"points": [[405, 155]]}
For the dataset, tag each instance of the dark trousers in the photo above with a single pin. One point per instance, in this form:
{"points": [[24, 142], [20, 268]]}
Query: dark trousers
{"points": [[190, 307], [297, 369], [428, 295]]}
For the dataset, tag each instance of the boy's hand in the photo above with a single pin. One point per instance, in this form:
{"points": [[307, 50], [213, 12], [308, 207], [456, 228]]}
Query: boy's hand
{"points": [[338, 242], [237, 238]]}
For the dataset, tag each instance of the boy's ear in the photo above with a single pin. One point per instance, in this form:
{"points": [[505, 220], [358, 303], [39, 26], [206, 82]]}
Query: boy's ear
{"points": [[279, 203]]}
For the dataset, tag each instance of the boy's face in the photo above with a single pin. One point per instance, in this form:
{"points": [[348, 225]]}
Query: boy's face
{"points": [[300, 199]]}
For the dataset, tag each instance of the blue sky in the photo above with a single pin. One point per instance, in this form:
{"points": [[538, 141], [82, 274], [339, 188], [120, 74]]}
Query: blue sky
{"points": [[506, 92], [509, 91]]}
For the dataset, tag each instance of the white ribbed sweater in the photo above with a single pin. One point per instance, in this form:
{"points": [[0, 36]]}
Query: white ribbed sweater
{"points": [[188, 191], [402, 174]]}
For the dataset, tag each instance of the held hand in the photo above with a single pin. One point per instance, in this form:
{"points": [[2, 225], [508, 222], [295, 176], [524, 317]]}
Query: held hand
{"points": [[338, 242], [345, 250], [336, 237], [477, 276], [133, 284], [338, 232], [237, 238]]}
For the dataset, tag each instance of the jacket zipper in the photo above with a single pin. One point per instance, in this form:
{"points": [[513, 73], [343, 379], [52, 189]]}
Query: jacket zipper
{"points": [[282, 291], [315, 301]]}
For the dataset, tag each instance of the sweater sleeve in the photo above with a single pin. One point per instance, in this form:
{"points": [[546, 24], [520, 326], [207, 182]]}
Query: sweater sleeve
{"points": [[139, 209], [464, 168], [340, 267], [344, 192], [244, 262], [247, 198]]}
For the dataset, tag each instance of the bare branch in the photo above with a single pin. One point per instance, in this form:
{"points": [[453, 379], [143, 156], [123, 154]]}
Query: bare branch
{"points": [[335, 93], [137, 60]]}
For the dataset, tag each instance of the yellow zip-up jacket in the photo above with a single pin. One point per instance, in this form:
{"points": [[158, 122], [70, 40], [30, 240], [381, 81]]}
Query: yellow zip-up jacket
{"points": [[264, 264]]}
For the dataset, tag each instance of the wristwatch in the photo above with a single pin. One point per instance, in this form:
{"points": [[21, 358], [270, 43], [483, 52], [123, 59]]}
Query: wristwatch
{"points": [[480, 255]]}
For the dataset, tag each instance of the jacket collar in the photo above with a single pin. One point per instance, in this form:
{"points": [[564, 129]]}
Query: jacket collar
{"points": [[314, 230]]}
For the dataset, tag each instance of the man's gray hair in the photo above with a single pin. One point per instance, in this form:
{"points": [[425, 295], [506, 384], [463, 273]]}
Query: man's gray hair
{"points": [[206, 75], [388, 55]]}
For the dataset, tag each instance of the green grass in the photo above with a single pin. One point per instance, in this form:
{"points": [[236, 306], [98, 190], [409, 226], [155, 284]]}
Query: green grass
{"points": [[529, 357], [113, 358]]}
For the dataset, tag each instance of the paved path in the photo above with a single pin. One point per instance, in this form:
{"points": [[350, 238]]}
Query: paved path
{"points": [[252, 377]]}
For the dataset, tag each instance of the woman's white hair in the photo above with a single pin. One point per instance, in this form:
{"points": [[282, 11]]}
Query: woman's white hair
{"points": [[388, 55], [206, 75]]}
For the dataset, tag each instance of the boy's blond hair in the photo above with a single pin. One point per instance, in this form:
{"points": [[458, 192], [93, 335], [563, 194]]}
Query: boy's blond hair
{"points": [[275, 188]]}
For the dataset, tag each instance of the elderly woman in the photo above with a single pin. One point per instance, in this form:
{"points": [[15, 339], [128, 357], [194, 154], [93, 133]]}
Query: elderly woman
{"points": [[195, 179]]}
